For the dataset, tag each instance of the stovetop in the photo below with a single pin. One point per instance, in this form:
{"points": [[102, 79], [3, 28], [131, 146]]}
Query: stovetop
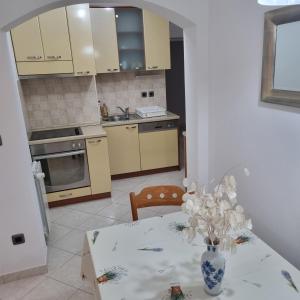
{"points": [[55, 133]]}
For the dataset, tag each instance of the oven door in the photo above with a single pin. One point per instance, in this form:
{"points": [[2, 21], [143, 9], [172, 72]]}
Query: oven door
{"points": [[64, 171]]}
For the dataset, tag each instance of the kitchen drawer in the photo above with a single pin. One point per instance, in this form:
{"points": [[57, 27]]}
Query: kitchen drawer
{"points": [[63, 195]]}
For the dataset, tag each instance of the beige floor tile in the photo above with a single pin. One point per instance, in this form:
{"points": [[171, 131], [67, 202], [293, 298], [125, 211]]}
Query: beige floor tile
{"points": [[57, 212], [91, 207], [56, 232], [17, 289], [50, 289], [114, 211], [95, 222], [69, 273], [80, 295], [56, 258], [72, 242], [72, 218]]}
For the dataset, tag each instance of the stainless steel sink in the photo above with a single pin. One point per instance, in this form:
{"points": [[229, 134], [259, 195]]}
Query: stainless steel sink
{"points": [[116, 118]]}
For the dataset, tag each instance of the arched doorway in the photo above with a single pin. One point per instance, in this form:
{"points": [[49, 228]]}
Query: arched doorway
{"points": [[23, 215]]}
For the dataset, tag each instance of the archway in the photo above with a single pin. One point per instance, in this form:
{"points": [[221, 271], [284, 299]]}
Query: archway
{"points": [[14, 135]]}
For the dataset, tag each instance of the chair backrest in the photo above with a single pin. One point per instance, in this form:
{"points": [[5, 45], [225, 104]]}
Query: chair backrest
{"points": [[155, 196]]}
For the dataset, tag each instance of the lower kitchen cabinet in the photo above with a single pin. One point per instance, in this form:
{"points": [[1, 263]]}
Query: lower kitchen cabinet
{"points": [[98, 159], [63, 195], [159, 149], [123, 148]]}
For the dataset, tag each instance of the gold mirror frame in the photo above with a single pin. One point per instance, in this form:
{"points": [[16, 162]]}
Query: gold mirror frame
{"points": [[274, 18]]}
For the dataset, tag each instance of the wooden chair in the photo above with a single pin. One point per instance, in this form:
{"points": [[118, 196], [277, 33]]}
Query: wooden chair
{"points": [[155, 196]]}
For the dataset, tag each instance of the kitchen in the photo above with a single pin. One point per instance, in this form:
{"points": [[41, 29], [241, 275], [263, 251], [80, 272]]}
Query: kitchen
{"points": [[93, 86]]}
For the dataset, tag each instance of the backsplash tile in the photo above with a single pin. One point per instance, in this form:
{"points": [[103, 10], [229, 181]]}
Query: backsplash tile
{"points": [[58, 102], [124, 89]]}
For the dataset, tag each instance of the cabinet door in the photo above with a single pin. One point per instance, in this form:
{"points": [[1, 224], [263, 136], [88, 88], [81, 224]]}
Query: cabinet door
{"points": [[81, 39], [159, 149], [123, 149], [157, 41], [105, 40], [27, 41], [98, 159], [55, 35]]}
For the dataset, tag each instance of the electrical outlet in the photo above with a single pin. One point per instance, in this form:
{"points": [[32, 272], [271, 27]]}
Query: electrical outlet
{"points": [[144, 94], [151, 94], [18, 239]]}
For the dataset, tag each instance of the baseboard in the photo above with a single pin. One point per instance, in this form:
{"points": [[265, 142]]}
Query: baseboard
{"points": [[145, 172], [78, 199], [23, 274]]}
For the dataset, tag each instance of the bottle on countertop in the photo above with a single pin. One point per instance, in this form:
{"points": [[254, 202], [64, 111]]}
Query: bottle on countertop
{"points": [[103, 110]]}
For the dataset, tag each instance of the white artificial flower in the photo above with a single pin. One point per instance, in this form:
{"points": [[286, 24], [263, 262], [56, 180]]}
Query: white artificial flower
{"points": [[247, 172], [239, 209], [185, 182], [214, 215], [231, 195]]}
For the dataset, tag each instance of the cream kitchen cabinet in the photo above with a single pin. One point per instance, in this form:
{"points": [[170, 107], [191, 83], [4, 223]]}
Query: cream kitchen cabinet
{"points": [[55, 35], [157, 41], [123, 148], [42, 44], [27, 41], [105, 40], [159, 149], [98, 159], [81, 39]]}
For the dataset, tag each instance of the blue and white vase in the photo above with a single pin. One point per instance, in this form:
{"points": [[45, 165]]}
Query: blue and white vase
{"points": [[213, 268]]}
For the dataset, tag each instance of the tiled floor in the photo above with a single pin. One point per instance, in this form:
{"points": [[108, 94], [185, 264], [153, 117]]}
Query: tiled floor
{"points": [[68, 225]]}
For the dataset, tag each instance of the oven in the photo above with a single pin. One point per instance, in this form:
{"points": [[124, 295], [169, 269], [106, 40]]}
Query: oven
{"points": [[64, 164]]}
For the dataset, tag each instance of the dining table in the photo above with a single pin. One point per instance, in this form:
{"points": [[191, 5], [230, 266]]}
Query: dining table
{"points": [[147, 259]]}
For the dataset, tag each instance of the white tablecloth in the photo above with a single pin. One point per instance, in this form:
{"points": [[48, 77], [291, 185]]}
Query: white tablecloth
{"points": [[126, 253]]}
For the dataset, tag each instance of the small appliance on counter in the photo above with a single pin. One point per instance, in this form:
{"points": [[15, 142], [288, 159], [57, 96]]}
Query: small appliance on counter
{"points": [[151, 111]]}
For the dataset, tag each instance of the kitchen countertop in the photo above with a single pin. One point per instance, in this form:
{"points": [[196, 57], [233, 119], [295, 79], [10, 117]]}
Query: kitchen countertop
{"points": [[169, 116], [89, 131]]}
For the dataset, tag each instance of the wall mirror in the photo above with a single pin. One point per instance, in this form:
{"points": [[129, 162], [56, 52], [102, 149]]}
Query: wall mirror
{"points": [[281, 57]]}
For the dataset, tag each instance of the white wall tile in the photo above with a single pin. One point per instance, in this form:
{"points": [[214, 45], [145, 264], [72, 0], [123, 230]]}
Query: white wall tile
{"points": [[124, 89], [58, 102]]}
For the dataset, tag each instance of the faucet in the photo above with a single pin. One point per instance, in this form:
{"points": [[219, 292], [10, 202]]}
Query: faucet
{"points": [[125, 111]]}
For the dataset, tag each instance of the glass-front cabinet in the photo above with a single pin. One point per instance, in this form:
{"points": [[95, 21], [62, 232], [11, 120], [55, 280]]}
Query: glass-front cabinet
{"points": [[130, 36]]}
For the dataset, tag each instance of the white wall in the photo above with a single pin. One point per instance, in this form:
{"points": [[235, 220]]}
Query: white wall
{"points": [[19, 212], [265, 138]]}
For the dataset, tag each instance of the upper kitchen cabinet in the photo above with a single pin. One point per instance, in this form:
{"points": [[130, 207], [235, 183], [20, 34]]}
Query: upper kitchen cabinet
{"points": [[55, 35], [157, 42], [27, 41], [81, 39], [130, 36], [105, 40], [42, 45]]}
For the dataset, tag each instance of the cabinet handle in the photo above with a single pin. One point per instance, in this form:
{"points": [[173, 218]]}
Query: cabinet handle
{"points": [[79, 73], [153, 67], [94, 142], [87, 72], [34, 57], [54, 57], [65, 195], [112, 70], [130, 127]]}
